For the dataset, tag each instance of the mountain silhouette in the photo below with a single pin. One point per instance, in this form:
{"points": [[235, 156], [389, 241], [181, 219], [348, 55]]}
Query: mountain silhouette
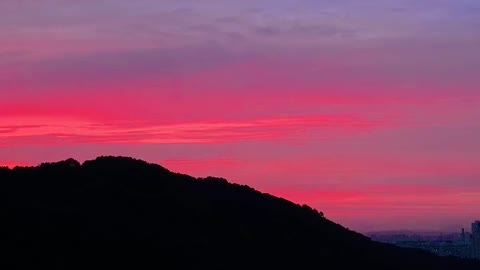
{"points": [[116, 212]]}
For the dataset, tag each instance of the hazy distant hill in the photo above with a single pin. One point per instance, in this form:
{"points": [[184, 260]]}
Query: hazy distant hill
{"points": [[121, 212]]}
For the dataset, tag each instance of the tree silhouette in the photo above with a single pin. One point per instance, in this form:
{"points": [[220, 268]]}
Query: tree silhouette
{"points": [[121, 212]]}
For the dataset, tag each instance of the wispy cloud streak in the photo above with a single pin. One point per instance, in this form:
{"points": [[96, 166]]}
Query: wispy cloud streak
{"points": [[72, 131]]}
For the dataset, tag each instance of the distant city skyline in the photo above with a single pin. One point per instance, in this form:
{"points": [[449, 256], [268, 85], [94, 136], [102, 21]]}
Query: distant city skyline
{"points": [[463, 244], [365, 110], [476, 239]]}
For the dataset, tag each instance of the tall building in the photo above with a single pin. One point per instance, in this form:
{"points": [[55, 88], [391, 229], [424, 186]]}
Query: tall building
{"points": [[476, 239]]}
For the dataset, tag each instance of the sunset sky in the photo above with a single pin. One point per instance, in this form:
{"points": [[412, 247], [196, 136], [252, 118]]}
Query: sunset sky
{"points": [[366, 110]]}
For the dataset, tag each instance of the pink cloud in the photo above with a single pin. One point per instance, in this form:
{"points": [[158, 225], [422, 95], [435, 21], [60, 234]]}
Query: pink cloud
{"points": [[16, 129]]}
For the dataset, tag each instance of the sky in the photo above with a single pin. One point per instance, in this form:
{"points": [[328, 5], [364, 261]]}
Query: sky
{"points": [[366, 110]]}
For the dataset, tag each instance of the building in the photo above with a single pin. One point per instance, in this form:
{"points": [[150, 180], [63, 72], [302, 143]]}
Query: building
{"points": [[476, 239]]}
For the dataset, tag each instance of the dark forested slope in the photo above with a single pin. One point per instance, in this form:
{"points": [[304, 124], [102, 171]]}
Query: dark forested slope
{"points": [[121, 212]]}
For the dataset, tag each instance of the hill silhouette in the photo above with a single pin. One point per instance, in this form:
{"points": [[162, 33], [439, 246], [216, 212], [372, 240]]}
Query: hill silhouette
{"points": [[116, 212]]}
